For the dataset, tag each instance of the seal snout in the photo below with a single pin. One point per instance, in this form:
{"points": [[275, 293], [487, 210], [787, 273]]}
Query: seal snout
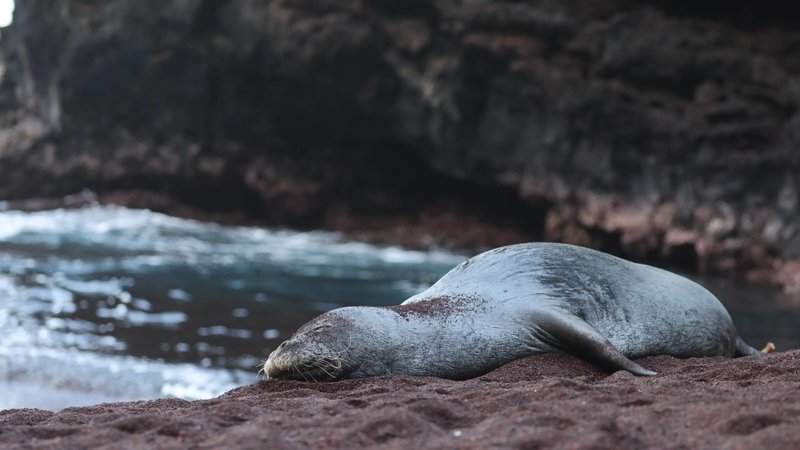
{"points": [[302, 361], [272, 369], [277, 363]]}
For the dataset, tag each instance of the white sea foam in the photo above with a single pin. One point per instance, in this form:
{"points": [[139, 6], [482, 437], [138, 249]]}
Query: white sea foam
{"points": [[68, 364], [84, 377], [146, 231], [76, 285]]}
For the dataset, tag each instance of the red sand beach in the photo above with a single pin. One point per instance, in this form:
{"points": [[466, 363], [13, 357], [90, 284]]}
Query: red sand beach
{"points": [[546, 401]]}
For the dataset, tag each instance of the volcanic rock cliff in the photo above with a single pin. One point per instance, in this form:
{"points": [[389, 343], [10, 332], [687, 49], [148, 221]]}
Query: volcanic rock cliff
{"points": [[647, 129]]}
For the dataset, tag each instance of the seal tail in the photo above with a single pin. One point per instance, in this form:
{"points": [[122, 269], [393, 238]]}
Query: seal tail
{"points": [[743, 349]]}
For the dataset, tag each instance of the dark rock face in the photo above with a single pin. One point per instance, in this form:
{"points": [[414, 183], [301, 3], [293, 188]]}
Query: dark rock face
{"points": [[642, 128]]}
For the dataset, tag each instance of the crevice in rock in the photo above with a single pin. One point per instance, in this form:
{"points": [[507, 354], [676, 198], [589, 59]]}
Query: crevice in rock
{"points": [[743, 14]]}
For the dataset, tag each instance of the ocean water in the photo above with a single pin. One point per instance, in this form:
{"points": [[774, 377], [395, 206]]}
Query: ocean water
{"points": [[112, 304]]}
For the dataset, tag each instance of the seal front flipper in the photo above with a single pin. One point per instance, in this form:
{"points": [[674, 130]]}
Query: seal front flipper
{"points": [[573, 335]]}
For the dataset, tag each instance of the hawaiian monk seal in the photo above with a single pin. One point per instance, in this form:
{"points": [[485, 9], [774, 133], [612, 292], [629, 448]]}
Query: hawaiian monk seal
{"points": [[512, 302]]}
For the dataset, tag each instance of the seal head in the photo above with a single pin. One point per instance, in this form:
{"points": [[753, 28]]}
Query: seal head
{"points": [[352, 342], [315, 353]]}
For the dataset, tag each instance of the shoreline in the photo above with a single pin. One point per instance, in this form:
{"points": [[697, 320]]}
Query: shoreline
{"points": [[543, 401], [455, 229]]}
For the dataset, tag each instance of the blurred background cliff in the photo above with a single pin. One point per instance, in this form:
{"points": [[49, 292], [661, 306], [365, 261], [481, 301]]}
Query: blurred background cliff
{"points": [[661, 131]]}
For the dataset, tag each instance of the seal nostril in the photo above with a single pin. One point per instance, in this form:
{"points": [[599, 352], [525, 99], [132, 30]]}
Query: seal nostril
{"points": [[271, 369], [283, 345]]}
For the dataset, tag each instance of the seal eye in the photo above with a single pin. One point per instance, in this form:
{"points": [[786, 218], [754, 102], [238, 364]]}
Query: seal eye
{"points": [[320, 328]]}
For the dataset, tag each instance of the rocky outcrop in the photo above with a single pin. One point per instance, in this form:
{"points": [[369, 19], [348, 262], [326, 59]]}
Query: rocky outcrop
{"points": [[655, 131]]}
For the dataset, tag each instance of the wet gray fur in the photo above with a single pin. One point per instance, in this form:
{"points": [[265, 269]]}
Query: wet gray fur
{"points": [[511, 302]]}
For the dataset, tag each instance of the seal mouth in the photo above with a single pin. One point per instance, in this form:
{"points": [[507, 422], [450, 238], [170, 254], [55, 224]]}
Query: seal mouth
{"points": [[314, 375], [315, 371], [291, 364]]}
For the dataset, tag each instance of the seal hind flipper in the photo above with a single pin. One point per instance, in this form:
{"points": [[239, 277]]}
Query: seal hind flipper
{"points": [[574, 335], [743, 349]]}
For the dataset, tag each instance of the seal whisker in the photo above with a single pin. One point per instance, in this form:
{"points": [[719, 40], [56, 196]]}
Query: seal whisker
{"points": [[334, 362], [300, 372], [320, 367], [308, 370], [262, 369]]}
